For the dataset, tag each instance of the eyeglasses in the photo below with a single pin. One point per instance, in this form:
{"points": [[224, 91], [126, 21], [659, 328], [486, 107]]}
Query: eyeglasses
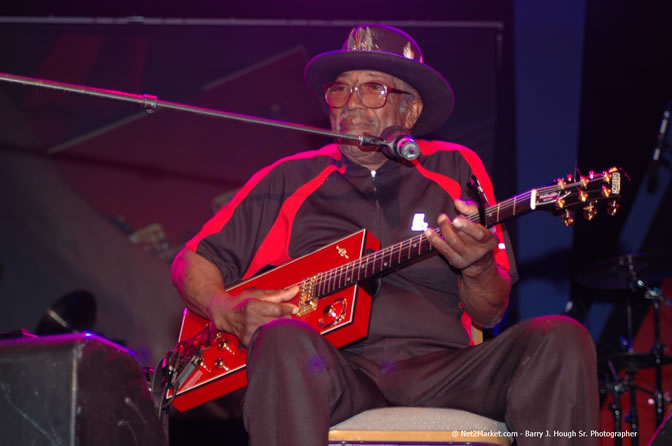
{"points": [[371, 94]]}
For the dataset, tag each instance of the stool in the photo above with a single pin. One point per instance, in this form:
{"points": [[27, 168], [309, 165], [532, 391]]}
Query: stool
{"points": [[418, 426]]}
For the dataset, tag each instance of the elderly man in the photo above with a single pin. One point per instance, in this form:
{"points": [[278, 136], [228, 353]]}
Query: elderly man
{"points": [[539, 375]]}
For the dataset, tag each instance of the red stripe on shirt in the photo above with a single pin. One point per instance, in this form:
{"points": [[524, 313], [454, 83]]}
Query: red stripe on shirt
{"points": [[466, 323], [215, 224], [454, 190], [477, 168], [274, 250]]}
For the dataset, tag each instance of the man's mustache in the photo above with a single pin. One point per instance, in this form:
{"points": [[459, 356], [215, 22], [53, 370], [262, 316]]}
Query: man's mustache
{"points": [[354, 115]]}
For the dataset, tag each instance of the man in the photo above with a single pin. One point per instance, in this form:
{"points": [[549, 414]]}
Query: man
{"points": [[536, 376]]}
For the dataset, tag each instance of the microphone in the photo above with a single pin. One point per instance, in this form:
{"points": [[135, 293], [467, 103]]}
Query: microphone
{"points": [[398, 144], [654, 163]]}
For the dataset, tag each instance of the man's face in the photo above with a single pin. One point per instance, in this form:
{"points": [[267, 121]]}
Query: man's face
{"points": [[355, 119]]}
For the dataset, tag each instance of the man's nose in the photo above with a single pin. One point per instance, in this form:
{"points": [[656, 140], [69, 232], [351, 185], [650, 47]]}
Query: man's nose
{"points": [[353, 100]]}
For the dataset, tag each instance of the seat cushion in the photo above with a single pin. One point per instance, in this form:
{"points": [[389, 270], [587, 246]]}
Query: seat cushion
{"points": [[399, 425]]}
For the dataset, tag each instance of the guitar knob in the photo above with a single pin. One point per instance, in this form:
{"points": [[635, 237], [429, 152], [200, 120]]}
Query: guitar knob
{"points": [[612, 208], [567, 218], [224, 345], [220, 364]]}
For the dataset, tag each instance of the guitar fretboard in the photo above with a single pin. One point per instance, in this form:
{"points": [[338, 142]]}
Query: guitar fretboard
{"points": [[398, 254], [328, 282]]}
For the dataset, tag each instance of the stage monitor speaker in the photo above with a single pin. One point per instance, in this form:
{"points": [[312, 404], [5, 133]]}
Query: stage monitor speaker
{"points": [[74, 390], [663, 436]]}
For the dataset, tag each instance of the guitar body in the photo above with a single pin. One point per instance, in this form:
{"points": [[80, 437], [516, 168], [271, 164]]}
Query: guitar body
{"points": [[342, 317]]}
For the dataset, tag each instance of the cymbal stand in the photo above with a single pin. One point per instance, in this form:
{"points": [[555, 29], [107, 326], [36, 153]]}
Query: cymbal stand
{"points": [[616, 388], [655, 295], [632, 417]]}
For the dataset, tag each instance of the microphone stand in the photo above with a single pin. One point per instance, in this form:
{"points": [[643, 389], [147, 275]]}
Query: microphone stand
{"points": [[151, 103]]}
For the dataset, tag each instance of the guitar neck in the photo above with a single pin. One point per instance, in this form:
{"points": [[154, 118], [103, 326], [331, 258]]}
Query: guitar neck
{"points": [[403, 252]]}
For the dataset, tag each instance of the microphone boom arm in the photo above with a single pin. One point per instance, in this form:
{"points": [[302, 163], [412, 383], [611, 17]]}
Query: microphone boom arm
{"points": [[151, 103]]}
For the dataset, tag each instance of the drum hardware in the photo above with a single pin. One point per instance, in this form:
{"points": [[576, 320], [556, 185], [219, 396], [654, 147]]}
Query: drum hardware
{"points": [[636, 274]]}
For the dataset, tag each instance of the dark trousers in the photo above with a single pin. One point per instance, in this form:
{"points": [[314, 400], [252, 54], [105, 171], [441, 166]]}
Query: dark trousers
{"points": [[538, 376]]}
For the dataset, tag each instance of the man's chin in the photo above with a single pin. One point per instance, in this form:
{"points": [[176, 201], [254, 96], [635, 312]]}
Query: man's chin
{"points": [[357, 147]]}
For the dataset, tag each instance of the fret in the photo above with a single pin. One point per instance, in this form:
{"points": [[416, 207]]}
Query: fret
{"points": [[331, 282], [382, 259], [323, 283], [348, 274], [338, 276], [326, 282], [379, 262], [363, 267]]}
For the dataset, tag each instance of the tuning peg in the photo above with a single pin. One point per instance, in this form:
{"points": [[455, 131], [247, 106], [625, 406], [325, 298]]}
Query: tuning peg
{"points": [[567, 218], [589, 212], [583, 195], [561, 183], [606, 191], [612, 207], [606, 176]]}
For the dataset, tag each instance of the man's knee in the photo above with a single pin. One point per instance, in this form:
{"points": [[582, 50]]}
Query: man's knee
{"points": [[283, 341], [564, 335]]}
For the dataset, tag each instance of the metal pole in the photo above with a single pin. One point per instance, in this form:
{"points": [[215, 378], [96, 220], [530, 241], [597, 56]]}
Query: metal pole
{"points": [[150, 103]]}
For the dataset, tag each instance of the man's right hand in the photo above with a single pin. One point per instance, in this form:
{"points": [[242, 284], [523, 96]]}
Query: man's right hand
{"points": [[241, 315], [200, 284]]}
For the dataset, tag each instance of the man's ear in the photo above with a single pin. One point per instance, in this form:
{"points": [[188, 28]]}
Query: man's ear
{"points": [[412, 113]]}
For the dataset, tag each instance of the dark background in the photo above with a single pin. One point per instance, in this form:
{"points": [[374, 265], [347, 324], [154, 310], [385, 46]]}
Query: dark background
{"points": [[98, 195]]}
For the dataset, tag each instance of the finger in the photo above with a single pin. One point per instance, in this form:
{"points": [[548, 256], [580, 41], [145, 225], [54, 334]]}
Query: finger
{"points": [[450, 233], [264, 310], [447, 244], [440, 244], [279, 296], [475, 231], [466, 207]]}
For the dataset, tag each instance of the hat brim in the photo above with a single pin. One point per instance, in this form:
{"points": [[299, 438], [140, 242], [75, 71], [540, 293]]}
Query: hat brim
{"points": [[436, 93]]}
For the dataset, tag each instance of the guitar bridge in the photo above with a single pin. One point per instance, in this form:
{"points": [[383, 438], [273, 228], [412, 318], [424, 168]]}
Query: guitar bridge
{"points": [[307, 299]]}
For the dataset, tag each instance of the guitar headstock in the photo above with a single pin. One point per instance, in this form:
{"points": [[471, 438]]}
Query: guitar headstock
{"points": [[585, 192]]}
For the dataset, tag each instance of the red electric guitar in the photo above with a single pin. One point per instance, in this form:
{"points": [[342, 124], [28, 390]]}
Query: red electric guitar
{"points": [[330, 298]]}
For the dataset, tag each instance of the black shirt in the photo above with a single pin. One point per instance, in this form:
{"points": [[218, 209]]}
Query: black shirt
{"points": [[308, 200]]}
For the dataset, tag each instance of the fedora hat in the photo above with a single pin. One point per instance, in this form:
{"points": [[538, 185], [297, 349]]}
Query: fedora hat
{"points": [[392, 51]]}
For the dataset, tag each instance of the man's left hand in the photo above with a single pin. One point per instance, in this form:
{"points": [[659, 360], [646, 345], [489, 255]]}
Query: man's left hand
{"points": [[467, 246]]}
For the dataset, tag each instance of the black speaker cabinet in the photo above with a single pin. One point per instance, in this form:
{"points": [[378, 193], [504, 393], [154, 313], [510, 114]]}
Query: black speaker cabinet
{"points": [[74, 390]]}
